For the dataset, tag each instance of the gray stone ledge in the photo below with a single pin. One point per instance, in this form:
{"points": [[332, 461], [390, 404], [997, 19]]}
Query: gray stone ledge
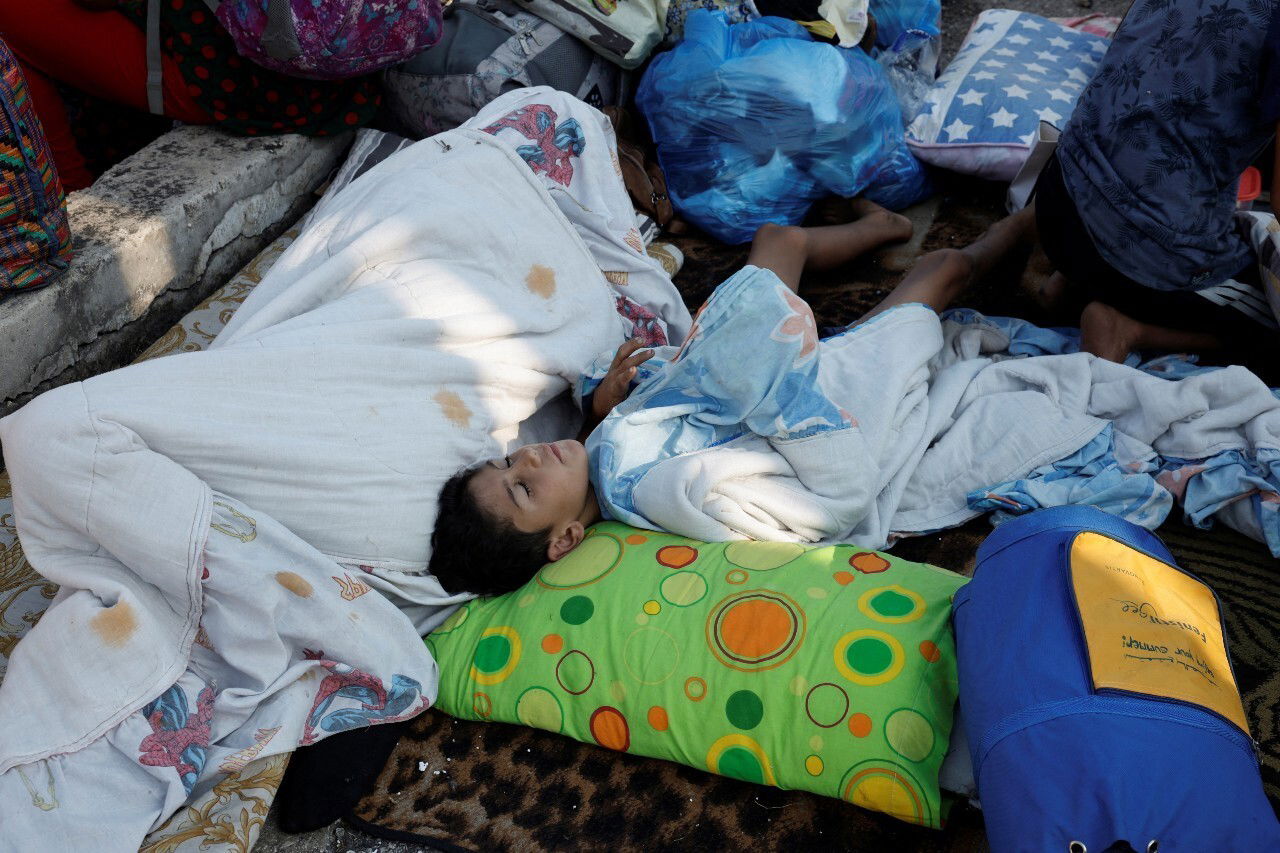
{"points": [[153, 237]]}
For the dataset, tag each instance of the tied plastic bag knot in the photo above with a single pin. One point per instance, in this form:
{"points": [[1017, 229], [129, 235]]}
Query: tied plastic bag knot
{"points": [[911, 66]]}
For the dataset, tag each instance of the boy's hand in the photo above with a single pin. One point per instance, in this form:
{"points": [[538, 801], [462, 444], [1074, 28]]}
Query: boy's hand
{"points": [[616, 385]]}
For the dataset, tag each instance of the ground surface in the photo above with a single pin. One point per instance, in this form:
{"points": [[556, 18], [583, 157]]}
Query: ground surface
{"points": [[961, 210]]}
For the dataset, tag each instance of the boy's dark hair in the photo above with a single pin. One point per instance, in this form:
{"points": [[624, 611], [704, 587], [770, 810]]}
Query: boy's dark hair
{"points": [[472, 551]]}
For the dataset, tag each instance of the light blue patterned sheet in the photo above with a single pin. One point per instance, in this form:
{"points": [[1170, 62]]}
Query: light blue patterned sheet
{"points": [[896, 427], [749, 368]]}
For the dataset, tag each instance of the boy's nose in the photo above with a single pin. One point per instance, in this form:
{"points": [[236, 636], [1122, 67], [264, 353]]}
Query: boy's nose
{"points": [[533, 457]]}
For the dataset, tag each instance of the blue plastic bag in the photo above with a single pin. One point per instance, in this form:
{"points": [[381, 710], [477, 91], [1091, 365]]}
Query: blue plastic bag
{"points": [[909, 44], [911, 68], [899, 22], [755, 121]]}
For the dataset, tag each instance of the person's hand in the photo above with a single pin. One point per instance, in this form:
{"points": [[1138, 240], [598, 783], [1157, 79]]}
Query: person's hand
{"points": [[98, 5], [615, 386]]}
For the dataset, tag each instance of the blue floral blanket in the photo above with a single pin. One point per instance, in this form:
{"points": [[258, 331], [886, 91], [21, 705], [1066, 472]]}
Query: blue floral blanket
{"points": [[910, 423]]}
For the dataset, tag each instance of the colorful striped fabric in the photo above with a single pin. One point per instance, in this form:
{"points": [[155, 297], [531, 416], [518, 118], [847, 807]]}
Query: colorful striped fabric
{"points": [[35, 240]]}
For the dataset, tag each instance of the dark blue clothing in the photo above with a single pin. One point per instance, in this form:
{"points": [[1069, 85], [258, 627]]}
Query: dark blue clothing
{"points": [[1156, 145], [1269, 100]]}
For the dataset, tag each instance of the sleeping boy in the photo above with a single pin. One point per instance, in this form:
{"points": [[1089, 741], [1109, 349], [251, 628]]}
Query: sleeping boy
{"points": [[751, 383]]}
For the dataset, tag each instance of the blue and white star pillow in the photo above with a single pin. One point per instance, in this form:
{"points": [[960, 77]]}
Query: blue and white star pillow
{"points": [[1013, 70]]}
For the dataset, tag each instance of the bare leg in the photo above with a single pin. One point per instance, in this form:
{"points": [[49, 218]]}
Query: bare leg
{"points": [[943, 275], [1055, 291], [1108, 334], [789, 250]]}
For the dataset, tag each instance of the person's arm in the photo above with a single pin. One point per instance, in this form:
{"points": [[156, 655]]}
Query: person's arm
{"points": [[615, 386]]}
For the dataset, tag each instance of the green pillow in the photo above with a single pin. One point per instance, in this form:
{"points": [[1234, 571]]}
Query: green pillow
{"points": [[828, 669]]}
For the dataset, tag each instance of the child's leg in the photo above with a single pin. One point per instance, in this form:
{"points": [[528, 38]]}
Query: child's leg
{"points": [[943, 275], [789, 250], [1110, 334]]}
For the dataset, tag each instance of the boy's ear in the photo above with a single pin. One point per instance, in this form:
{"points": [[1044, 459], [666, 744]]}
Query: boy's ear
{"points": [[568, 539]]}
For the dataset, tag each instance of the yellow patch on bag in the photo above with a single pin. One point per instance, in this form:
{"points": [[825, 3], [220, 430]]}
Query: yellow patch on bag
{"points": [[1150, 628]]}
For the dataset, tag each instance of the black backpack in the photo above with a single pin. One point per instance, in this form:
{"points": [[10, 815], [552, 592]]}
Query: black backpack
{"points": [[490, 47]]}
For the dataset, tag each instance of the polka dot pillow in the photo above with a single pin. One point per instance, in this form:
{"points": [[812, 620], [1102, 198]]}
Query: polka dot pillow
{"points": [[826, 669], [1013, 70]]}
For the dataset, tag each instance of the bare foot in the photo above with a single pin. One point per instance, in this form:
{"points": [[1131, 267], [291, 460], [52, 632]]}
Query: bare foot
{"points": [[843, 211], [894, 226], [1107, 333]]}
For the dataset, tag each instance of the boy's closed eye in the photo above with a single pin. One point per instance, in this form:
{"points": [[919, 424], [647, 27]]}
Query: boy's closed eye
{"points": [[518, 484]]}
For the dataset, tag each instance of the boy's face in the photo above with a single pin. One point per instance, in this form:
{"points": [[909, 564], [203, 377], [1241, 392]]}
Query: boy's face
{"points": [[537, 487]]}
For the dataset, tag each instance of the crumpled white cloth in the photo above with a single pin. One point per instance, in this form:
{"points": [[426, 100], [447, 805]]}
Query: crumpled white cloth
{"points": [[847, 17]]}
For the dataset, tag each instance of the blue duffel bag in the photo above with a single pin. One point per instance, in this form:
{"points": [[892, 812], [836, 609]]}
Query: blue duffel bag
{"points": [[1097, 696]]}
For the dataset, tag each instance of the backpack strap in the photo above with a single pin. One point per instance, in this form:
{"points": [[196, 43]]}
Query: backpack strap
{"points": [[28, 165], [155, 65], [279, 37]]}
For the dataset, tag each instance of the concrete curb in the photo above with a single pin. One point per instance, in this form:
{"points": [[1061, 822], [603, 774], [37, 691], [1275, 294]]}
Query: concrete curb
{"points": [[154, 236]]}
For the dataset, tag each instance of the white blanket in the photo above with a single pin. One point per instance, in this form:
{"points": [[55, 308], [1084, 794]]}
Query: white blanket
{"points": [[438, 303]]}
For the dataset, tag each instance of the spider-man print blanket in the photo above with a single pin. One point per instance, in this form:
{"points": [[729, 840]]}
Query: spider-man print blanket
{"points": [[241, 535]]}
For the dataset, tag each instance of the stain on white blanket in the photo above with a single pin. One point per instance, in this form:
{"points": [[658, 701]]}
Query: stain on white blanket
{"points": [[295, 583], [453, 408], [541, 280], [116, 624]]}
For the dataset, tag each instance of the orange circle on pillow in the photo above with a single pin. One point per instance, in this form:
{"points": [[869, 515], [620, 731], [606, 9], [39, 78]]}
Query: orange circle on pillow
{"points": [[658, 718], [552, 643], [676, 556], [929, 651], [859, 725], [609, 728], [868, 563], [756, 628]]}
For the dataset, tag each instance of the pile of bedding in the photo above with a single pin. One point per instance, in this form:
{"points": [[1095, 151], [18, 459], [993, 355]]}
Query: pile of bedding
{"points": [[908, 424]]}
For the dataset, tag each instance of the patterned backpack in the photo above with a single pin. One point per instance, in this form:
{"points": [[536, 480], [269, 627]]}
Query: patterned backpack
{"points": [[318, 39], [35, 240]]}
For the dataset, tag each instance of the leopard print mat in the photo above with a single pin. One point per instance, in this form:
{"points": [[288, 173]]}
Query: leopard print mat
{"points": [[455, 784], [490, 786], [501, 787]]}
